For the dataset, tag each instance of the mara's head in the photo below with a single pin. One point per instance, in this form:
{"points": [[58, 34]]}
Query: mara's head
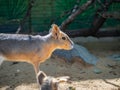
{"points": [[61, 39]]}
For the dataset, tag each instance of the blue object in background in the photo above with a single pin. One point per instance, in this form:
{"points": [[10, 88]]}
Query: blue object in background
{"points": [[78, 51]]}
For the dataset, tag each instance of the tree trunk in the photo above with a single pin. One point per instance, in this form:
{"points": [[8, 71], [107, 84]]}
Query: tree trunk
{"points": [[101, 33], [107, 32], [27, 16], [75, 14], [99, 20]]}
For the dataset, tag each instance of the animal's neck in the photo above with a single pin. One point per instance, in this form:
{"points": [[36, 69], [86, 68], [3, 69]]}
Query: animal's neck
{"points": [[50, 44]]}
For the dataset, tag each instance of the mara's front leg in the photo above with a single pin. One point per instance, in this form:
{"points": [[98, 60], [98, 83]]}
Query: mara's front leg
{"points": [[37, 70], [36, 67]]}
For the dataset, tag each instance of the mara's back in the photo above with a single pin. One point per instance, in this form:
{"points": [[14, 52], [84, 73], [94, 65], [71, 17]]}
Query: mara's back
{"points": [[19, 44]]}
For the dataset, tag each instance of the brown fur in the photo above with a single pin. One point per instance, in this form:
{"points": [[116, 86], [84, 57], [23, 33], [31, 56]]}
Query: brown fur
{"points": [[33, 49]]}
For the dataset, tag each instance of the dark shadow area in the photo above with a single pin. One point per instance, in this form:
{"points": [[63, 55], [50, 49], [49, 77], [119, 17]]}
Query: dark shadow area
{"points": [[8, 28]]}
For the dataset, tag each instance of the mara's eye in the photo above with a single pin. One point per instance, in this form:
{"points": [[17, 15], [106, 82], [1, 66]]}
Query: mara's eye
{"points": [[63, 38]]}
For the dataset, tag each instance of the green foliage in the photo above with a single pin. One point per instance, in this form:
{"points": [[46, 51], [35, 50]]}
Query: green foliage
{"points": [[46, 12], [56, 11], [13, 9]]}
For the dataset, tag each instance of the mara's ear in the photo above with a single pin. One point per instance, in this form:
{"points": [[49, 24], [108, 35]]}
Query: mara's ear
{"points": [[55, 31], [40, 77]]}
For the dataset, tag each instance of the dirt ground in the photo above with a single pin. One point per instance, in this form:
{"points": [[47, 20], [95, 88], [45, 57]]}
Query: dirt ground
{"points": [[21, 76]]}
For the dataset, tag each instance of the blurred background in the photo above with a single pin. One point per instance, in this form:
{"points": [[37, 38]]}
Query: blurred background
{"points": [[93, 64], [34, 16]]}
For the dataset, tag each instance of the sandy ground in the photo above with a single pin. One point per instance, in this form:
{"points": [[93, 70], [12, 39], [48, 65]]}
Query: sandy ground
{"points": [[21, 76]]}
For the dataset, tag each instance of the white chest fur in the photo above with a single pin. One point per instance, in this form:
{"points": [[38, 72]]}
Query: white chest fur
{"points": [[1, 59]]}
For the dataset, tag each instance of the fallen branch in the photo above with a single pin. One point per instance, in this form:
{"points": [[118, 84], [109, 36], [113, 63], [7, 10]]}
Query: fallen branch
{"points": [[115, 15], [117, 1], [108, 32]]}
